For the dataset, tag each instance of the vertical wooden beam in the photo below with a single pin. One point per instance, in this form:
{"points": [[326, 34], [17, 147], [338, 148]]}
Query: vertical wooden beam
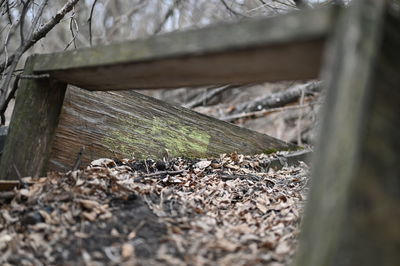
{"points": [[33, 123], [353, 213]]}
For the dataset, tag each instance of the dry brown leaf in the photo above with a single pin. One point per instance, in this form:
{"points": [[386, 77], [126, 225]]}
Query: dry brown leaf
{"points": [[127, 250]]}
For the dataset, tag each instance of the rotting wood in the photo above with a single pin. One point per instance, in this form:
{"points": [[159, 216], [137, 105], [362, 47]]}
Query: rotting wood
{"points": [[32, 127], [129, 124], [287, 47], [353, 213]]}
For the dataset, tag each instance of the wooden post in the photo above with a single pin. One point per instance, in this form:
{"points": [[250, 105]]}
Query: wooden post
{"points": [[353, 213], [32, 127]]}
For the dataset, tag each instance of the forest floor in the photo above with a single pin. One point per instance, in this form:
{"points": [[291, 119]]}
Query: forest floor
{"points": [[235, 210]]}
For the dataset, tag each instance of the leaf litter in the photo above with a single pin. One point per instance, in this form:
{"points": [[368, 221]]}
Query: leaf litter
{"points": [[235, 210]]}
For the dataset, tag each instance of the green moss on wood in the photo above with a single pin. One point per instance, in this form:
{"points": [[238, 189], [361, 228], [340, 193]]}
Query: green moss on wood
{"points": [[168, 138]]}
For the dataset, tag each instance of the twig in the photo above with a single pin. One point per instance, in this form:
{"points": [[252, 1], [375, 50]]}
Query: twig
{"points": [[164, 173], [118, 19], [208, 96], [280, 98], [147, 167], [140, 178], [160, 173], [299, 119], [90, 21], [8, 12], [78, 160], [231, 10], [231, 118], [264, 5], [73, 23], [17, 172], [22, 182], [169, 13]]}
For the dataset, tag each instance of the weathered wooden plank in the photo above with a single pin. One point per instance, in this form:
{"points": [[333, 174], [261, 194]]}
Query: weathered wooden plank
{"points": [[127, 124], [32, 126], [353, 213], [286, 47]]}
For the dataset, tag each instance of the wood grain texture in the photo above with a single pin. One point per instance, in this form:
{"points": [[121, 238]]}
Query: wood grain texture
{"points": [[353, 214], [286, 47], [128, 124], [33, 123]]}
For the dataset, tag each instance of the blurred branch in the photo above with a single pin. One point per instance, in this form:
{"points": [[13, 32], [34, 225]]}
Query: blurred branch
{"points": [[73, 23], [90, 21], [169, 13], [231, 10], [120, 18], [207, 96], [231, 118], [42, 31], [18, 53], [34, 35], [8, 12], [280, 98]]}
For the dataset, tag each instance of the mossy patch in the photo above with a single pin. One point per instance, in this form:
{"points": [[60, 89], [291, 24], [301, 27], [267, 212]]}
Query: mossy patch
{"points": [[157, 138]]}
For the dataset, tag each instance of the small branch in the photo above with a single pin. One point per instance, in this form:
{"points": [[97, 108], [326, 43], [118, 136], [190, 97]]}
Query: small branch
{"points": [[73, 23], [237, 14], [21, 181], [198, 101], [169, 13], [90, 21], [231, 118], [280, 98], [140, 178], [164, 173], [301, 102], [78, 160], [8, 12], [119, 19]]}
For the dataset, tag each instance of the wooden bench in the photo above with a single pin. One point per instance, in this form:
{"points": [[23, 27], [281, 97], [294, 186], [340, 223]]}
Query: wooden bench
{"points": [[125, 124], [353, 213]]}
